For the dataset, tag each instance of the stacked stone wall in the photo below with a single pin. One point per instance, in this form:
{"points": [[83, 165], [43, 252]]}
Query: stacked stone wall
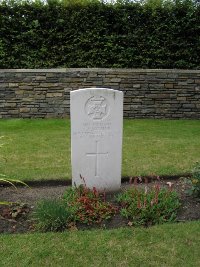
{"points": [[44, 93]]}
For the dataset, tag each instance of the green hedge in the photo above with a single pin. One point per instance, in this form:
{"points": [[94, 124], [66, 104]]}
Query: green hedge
{"points": [[37, 35]]}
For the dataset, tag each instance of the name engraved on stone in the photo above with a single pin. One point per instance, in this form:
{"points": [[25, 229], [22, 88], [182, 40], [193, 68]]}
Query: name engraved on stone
{"points": [[95, 129], [97, 107], [97, 154]]}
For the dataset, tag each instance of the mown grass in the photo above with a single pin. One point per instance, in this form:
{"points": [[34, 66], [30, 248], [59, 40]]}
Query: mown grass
{"points": [[36, 149], [168, 245], [40, 149], [160, 146]]}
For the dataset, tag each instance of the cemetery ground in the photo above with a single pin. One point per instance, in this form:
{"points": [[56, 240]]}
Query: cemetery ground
{"points": [[38, 152]]}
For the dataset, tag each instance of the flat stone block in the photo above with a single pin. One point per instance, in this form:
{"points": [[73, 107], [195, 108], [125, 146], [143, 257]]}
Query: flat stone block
{"points": [[24, 110], [26, 87], [13, 85], [115, 80], [148, 110], [14, 111], [188, 105], [54, 94], [19, 92], [40, 78], [169, 85], [10, 104], [136, 86], [34, 110], [181, 98]]}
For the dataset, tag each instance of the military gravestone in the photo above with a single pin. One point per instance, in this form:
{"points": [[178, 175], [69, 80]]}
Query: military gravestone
{"points": [[96, 137]]}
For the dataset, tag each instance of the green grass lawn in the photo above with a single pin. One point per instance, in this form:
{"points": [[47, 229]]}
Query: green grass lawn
{"points": [[40, 149], [166, 245]]}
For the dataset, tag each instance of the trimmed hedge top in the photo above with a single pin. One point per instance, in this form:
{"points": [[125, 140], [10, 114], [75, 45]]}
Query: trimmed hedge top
{"points": [[38, 35]]}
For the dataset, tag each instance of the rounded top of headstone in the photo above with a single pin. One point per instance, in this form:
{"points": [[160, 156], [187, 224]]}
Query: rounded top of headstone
{"points": [[96, 89]]}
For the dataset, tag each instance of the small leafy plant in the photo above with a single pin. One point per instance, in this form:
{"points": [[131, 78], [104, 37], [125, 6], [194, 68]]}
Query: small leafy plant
{"points": [[195, 180], [52, 215], [78, 204], [89, 205], [146, 207], [5, 180]]}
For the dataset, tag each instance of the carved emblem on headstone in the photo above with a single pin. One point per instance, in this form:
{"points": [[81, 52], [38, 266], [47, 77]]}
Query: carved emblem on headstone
{"points": [[96, 107]]}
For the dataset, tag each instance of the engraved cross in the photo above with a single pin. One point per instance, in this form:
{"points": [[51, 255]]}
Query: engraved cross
{"points": [[96, 154]]}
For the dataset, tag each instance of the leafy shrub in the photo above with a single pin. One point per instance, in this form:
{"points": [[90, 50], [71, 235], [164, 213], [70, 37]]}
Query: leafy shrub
{"points": [[94, 34], [149, 206], [52, 215], [89, 206], [78, 204]]}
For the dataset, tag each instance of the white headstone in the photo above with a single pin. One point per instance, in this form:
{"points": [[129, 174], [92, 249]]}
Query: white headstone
{"points": [[96, 137]]}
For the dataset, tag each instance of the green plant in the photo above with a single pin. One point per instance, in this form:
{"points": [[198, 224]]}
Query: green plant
{"points": [[144, 206], [195, 180], [78, 204], [52, 215], [89, 205], [91, 33], [10, 181]]}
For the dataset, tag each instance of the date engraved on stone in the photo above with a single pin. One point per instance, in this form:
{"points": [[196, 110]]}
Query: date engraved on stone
{"points": [[97, 108]]}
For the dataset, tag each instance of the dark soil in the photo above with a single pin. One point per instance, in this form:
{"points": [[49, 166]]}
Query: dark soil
{"points": [[17, 218]]}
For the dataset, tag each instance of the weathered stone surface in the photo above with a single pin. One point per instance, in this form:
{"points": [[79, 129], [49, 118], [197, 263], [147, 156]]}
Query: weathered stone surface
{"points": [[40, 78], [24, 110], [96, 137], [188, 105], [13, 85], [181, 98], [169, 85], [10, 104], [54, 94], [14, 111], [136, 85], [49, 90]]}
